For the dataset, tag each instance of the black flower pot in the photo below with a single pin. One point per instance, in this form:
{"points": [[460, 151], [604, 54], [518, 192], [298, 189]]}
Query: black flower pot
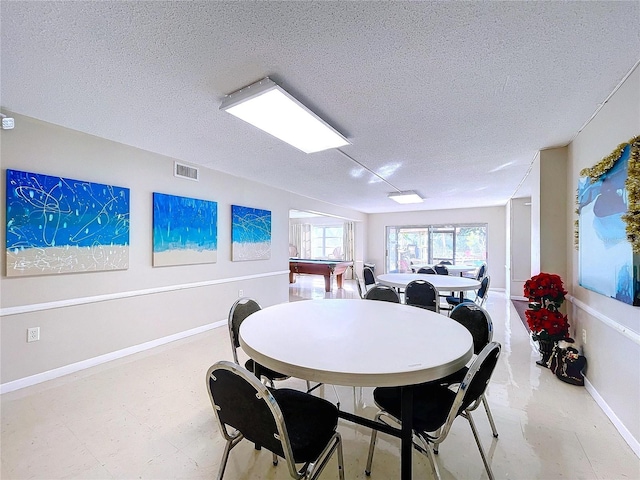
{"points": [[546, 349]]}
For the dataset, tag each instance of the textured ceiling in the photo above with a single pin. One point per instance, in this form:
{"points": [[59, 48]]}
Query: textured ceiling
{"points": [[451, 99]]}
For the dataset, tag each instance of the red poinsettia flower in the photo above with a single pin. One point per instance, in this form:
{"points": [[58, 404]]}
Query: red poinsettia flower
{"points": [[546, 294]]}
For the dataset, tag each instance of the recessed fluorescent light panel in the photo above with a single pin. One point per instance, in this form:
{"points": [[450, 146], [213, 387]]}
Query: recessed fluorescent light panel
{"points": [[406, 197], [266, 105]]}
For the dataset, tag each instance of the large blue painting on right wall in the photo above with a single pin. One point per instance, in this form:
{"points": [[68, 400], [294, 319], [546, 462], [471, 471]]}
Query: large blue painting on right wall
{"points": [[608, 264]]}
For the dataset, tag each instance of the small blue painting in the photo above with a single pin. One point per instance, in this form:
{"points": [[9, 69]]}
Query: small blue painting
{"points": [[60, 225], [185, 230], [250, 233], [606, 255]]}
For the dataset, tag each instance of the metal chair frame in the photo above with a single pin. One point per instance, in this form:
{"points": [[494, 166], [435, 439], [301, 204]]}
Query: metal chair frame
{"points": [[309, 470], [427, 270], [358, 284], [369, 278], [421, 285], [478, 344], [424, 442], [383, 293], [483, 291], [234, 327], [240, 310], [441, 269]]}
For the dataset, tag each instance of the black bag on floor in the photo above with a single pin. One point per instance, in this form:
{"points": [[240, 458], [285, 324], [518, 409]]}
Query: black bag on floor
{"points": [[567, 363]]}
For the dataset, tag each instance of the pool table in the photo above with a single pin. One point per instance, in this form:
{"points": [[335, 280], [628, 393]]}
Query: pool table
{"points": [[327, 268]]}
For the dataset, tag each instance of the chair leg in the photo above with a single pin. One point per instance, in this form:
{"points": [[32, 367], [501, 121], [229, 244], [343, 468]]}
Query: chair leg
{"points": [[225, 457], [467, 415], [436, 446], [314, 470], [372, 446], [491, 422], [337, 396], [432, 461], [340, 461]]}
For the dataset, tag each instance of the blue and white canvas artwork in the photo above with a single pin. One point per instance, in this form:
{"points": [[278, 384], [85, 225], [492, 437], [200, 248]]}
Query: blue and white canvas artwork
{"points": [[606, 256], [185, 230], [250, 233], [60, 225]]}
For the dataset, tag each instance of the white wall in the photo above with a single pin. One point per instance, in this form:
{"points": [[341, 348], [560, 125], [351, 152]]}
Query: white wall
{"points": [[553, 218], [86, 315], [612, 327], [493, 216], [520, 244]]}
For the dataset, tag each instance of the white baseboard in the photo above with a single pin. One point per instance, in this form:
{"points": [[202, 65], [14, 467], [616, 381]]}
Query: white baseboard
{"points": [[626, 434], [518, 297], [92, 362]]}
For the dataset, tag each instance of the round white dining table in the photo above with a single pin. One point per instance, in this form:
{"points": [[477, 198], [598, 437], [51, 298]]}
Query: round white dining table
{"points": [[445, 283], [356, 342], [360, 343]]}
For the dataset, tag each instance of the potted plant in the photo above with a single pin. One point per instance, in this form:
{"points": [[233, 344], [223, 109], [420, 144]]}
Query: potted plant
{"points": [[547, 324]]}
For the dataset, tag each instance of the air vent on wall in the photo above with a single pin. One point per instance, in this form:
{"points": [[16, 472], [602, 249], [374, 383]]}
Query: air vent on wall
{"points": [[185, 171]]}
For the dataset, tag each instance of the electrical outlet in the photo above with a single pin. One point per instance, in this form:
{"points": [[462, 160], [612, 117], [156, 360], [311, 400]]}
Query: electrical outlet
{"points": [[584, 336], [240, 293], [33, 334]]}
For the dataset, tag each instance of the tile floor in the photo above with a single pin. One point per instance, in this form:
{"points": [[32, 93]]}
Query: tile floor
{"points": [[148, 416]]}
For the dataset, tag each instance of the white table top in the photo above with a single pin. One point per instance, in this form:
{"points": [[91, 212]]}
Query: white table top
{"points": [[453, 269], [441, 282], [356, 342]]}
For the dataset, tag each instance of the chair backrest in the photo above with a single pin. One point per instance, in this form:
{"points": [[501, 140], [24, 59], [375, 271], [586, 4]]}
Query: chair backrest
{"points": [[483, 291], [421, 293], [242, 402], [241, 309], [477, 320], [369, 277], [441, 269], [475, 383], [482, 271], [383, 293], [427, 270], [355, 276], [445, 262]]}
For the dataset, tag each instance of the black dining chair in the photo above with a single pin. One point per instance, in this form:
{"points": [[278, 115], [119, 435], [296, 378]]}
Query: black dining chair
{"points": [[482, 272], [421, 293], [427, 270], [358, 284], [478, 321], [437, 406], [293, 425], [369, 278], [441, 269], [240, 310], [383, 293], [480, 298]]}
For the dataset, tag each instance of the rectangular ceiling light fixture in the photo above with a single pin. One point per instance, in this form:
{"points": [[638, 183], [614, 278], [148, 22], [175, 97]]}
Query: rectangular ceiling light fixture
{"points": [[266, 105], [406, 197]]}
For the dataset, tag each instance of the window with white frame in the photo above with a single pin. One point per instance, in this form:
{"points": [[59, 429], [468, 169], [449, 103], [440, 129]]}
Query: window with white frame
{"points": [[409, 247]]}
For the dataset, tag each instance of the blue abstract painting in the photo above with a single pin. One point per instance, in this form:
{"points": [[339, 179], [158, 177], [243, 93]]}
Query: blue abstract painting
{"points": [[606, 256], [250, 233], [60, 225], [185, 230]]}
